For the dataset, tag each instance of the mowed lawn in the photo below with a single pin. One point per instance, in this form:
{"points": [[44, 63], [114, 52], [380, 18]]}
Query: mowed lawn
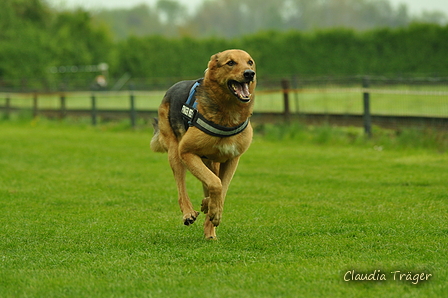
{"points": [[92, 212]]}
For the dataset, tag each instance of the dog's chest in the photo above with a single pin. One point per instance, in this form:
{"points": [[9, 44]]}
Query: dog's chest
{"points": [[229, 150]]}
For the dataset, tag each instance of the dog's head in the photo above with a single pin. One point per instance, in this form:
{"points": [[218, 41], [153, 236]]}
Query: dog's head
{"points": [[234, 72]]}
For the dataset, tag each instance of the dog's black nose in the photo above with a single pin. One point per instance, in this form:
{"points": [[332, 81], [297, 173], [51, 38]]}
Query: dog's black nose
{"points": [[249, 74]]}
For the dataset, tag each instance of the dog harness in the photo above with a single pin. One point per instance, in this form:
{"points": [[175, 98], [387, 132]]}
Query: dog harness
{"points": [[194, 118]]}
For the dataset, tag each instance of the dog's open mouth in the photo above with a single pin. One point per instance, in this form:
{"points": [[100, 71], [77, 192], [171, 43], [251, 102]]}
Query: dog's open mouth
{"points": [[241, 90]]}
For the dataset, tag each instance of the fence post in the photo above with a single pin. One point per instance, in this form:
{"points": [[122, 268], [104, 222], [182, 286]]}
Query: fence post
{"points": [[132, 111], [93, 98], [295, 86], [35, 104], [7, 107], [366, 102], [63, 106], [285, 87]]}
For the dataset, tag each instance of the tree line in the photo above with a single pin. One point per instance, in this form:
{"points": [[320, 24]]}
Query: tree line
{"points": [[36, 39], [233, 18], [33, 38]]}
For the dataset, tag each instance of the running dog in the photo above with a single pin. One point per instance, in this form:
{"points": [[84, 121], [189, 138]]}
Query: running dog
{"points": [[204, 126]]}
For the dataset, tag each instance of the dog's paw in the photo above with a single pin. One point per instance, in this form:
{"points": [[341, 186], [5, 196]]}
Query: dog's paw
{"points": [[216, 220], [215, 216], [190, 218], [213, 211], [204, 205], [210, 238]]}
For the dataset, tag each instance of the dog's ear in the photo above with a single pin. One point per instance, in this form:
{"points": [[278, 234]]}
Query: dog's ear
{"points": [[213, 63]]}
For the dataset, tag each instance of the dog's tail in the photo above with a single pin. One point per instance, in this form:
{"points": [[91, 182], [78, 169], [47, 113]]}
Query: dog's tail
{"points": [[156, 146]]}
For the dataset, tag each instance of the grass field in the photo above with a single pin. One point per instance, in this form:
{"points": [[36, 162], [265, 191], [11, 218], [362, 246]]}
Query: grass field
{"points": [[91, 212]]}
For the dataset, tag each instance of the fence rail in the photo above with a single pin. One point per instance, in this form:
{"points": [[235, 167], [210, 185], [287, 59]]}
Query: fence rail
{"points": [[312, 97]]}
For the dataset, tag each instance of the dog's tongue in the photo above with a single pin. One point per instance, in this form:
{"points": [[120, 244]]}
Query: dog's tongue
{"points": [[242, 90]]}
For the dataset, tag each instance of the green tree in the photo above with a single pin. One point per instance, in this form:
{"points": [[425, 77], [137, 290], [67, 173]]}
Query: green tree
{"points": [[231, 18], [172, 10], [34, 38], [24, 49], [77, 42], [434, 17], [140, 20]]}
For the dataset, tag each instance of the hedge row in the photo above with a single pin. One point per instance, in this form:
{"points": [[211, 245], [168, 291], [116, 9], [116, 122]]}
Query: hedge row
{"points": [[417, 49]]}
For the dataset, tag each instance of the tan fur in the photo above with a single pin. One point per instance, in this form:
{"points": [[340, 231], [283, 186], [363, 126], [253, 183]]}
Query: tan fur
{"points": [[155, 145], [219, 105]]}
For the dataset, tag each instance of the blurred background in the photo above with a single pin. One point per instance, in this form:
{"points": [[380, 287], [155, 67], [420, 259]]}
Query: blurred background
{"points": [[323, 49], [45, 41]]}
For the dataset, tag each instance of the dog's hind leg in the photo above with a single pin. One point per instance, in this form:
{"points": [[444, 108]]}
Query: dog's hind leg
{"points": [[165, 138], [209, 227], [179, 171], [214, 167]]}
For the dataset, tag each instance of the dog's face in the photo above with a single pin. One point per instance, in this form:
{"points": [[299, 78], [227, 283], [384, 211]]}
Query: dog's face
{"points": [[234, 72]]}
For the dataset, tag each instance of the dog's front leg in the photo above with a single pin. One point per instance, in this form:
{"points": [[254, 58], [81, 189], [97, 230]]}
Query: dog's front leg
{"points": [[210, 181], [226, 172], [214, 167], [214, 206]]}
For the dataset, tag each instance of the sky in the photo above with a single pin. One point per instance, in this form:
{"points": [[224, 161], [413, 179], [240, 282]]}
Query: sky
{"points": [[414, 6]]}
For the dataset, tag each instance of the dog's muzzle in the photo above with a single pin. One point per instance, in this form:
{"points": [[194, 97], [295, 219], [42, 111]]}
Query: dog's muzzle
{"points": [[241, 89], [249, 75]]}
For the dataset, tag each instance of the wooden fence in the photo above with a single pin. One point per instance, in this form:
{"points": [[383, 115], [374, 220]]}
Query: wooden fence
{"points": [[366, 119]]}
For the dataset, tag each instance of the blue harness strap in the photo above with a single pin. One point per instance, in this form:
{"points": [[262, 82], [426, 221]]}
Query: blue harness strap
{"points": [[194, 118], [191, 95]]}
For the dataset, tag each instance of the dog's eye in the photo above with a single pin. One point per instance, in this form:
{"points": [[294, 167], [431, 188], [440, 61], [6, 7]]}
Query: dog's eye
{"points": [[231, 63], [250, 62]]}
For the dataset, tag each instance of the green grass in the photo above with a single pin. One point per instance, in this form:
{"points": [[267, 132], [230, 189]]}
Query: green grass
{"points": [[92, 212]]}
